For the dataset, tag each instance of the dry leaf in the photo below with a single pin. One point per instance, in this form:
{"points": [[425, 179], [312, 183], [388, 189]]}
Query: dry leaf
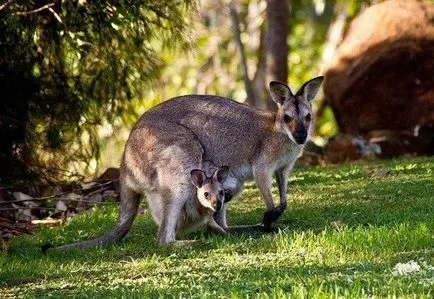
{"points": [[86, 186], [61, 206]]}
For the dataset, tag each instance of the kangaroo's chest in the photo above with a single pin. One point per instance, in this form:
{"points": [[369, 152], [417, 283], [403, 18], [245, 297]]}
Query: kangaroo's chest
{"points": [[288, 158]]}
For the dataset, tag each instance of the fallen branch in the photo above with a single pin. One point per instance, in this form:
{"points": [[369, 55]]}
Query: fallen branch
{"points": [[26, 208], [16, 227], [57, 196]]}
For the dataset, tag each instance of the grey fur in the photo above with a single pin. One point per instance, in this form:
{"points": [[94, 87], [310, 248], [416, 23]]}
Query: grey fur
{"points": [[178, 135], [196, 212]]}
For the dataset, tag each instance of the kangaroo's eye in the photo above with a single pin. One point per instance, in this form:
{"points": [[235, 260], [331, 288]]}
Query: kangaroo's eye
{"points": [[287, 118], [206, 194], [308, 117], [221, 193]]}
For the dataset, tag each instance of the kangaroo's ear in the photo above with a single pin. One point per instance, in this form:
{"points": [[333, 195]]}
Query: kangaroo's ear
{"points": [[310, 89], [197, 177], [279, 92], [221, 174]]}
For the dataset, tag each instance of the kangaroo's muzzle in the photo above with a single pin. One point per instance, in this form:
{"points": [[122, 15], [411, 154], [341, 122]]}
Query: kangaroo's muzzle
{"points": [[300, 137]]}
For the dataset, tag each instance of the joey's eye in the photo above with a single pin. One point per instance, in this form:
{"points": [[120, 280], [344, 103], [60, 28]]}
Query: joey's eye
{"points": [[287, 118], [308, 117], [221, 193], [206, 194]]}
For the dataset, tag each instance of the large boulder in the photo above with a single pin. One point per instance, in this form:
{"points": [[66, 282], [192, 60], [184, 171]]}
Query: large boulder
{"points": [[382, 77]]}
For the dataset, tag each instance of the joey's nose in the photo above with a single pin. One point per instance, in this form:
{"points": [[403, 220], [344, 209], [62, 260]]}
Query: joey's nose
{"points": [[213, 203], [218, 205]]}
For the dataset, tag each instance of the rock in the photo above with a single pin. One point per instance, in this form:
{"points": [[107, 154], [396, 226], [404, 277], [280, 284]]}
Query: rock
{"points": [[382, 76], [346, 147], [395, 143]]}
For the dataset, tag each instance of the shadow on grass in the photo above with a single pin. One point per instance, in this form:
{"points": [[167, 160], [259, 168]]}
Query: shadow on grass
{"points": [[378, 202], [381, 203]]}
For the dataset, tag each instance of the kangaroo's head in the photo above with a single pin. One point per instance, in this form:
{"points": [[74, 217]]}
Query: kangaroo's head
{"points": [[210, 193], [294, 114]]}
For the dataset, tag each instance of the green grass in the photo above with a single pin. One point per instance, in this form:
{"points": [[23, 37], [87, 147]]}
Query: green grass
{"points": [[345, 229]]}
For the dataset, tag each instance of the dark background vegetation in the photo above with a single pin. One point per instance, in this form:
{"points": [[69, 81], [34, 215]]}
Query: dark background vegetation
{"points": [[66, 67]]}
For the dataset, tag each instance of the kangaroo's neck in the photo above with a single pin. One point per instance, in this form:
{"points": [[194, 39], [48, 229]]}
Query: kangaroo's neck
{"points": [[278, 134], [274, 128]]}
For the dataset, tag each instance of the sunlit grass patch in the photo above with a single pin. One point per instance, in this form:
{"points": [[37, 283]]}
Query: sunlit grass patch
{"points": [[355, 230]]}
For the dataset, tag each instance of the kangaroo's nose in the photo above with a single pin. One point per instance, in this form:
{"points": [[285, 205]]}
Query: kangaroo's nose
{"points": [[300, 137], [300, 134]]}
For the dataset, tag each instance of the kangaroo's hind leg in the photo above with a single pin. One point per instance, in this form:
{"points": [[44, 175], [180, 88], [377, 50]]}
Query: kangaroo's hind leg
{"points": [[172, 159], [171, 211], [175, 187]]}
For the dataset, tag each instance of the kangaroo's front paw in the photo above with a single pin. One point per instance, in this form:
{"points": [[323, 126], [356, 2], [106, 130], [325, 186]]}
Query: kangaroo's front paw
{"points": [[271, 216], [280, 209], [268, 219]]}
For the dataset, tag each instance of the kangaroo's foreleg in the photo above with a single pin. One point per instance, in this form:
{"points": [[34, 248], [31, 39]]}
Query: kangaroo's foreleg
{"points": [[263, 179], [282, 183]]}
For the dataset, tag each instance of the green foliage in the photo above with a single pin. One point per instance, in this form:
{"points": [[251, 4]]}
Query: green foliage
{"points": [[69, 68], [344, 232], [214, 65], [85, 70]]}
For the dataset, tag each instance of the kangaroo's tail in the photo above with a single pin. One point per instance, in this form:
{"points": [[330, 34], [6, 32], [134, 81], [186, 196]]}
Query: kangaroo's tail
{"points": [[128, 210]]}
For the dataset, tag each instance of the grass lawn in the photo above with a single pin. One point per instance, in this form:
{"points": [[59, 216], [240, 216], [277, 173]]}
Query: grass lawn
{"points": [[354, 230]]}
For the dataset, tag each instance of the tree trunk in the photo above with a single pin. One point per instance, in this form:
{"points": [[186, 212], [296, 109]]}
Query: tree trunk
{"points": [[272, 53], [276, 46]]}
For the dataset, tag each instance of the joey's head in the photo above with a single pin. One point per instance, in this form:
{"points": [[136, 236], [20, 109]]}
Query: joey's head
{"points": [[294, 114], [210, 193]]}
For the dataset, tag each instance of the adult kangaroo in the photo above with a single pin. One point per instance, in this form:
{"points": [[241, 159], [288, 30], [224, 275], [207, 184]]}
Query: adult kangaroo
{"points": [[178, 135]]}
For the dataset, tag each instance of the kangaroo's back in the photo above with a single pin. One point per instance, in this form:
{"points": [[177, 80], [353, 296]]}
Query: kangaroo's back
{"points": [[229, 131]]}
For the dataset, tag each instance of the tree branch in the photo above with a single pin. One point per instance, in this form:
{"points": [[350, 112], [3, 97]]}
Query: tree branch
{"points": [[24, 13], [4, 5], [251, 95], [55, 15]]}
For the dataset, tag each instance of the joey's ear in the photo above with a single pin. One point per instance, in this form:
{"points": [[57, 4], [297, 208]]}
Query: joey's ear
{"points": [[221, 174], [310, 89], [197, 177], [279, 92]]}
